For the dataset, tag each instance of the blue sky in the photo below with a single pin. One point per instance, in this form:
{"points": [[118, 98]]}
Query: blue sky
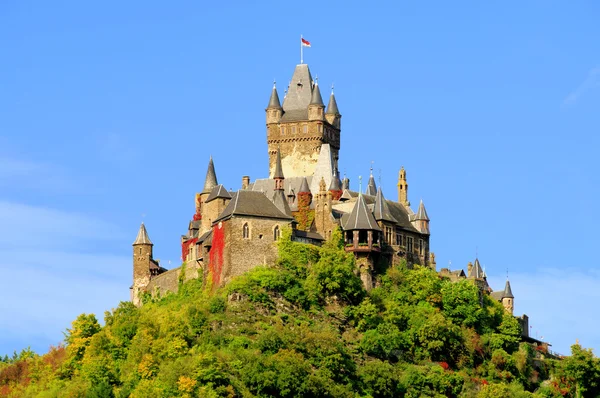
{"points": [[110, 111]]}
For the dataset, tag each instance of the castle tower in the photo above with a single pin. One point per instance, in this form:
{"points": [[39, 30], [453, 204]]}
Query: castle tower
{"points": [[210, 182], [333, 115], [323, 220], [274, 109], [301, 127], [279, 198], [142, 264], [304, 212], [508, 300], [362, 237], [383, 215], [335, 188], [403, 188], [422, 220]]}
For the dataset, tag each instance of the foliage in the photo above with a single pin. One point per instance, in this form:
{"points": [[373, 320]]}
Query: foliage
{"points": [[303, 327]]}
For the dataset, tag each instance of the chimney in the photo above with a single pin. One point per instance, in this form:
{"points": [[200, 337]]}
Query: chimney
{"points": [[245, 182]]}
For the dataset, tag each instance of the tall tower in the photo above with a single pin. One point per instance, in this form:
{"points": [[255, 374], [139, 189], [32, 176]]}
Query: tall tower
{"points": [[403, 188], [300, 126], [508, 300], [142, 263]]}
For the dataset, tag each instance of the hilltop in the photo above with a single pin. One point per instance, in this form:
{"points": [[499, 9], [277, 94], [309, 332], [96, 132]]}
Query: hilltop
{"points": [[304, 326]]}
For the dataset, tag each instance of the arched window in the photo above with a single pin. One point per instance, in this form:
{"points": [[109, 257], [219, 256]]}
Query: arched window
{"points": [[246, 231], [276, 233]]}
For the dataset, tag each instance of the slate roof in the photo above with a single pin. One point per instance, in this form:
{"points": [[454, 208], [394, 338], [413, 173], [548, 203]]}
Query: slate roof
{"points": [[142, 237], [336, 184], [218, 192], [299, 94], [422, 213], [381, 210], [309, 235], [361, 217], [274, 100], [508, 291], [476, 271], [280, 201], [398, 211], [371, 187], [278, 173], [332, 108], [251, 203], [211, 177], [316, 98], [304, 186]]}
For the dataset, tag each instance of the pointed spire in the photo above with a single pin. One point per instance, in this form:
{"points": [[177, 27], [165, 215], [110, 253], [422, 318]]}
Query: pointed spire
{"points": [[142, 237], [278, 173], [332, 108], [316, 98], [211, 177], [371, 187], [381, 210], [274, 100], [304, 186], [361, 217], [476, 271], [422, 213], [345, 183], [507, 291]]}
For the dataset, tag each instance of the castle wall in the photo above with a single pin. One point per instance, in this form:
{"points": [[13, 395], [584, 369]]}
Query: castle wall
{"points": [[169, 281], [238, 254]]}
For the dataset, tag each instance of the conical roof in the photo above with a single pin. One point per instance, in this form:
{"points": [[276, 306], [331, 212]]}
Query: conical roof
{"points": [[507, 291], [278, 173], [142, 237], [316, 98], [332, 108], [274, 100], [280, 201], [304, 186], [361, 217], [211, 177], [381, 210], [336, 184], [345, 183], [422, 213], [371, 187], [300, 90]]}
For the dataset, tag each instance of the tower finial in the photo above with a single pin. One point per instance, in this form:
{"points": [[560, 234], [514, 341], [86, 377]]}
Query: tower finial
{"points": [[274, 84], [331, 88], [372, 167], [359, 184]]}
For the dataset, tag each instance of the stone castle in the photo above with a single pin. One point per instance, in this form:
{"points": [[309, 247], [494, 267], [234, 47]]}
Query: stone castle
{"points": [[232, 232]]}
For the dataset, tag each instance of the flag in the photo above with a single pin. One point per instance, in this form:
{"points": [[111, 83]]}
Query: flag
{"points": [[305, 43]]}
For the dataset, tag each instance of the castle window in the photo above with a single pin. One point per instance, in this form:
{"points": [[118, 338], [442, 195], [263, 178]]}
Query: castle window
{"points": [[421, 247], [282, 130], [276, 233], [293, 129], [305, 129], [320, 128], [409, 244], [140, 250], [246, 231]]}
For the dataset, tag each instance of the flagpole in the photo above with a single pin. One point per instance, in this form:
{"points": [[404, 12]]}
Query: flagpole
{"points": [[301, 50]]}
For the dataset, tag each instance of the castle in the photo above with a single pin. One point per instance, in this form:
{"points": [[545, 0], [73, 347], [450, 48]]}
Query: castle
{"points": [[232, 232]]}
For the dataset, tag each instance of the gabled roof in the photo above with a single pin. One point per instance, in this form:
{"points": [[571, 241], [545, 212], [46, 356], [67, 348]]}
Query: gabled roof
{"points": [[361, 217], [381, 209], [422, 213], [211, 177], [332, 108], [218, 192], [142, 237], [371, 187], [274, 100], [251, 203]]}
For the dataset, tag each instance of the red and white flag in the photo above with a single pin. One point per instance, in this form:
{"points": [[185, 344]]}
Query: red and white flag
{"points": [[305, 43]]}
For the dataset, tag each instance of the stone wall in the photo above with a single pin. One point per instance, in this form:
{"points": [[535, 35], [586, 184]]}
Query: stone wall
{"points": [[169, 281], [238, 254]]}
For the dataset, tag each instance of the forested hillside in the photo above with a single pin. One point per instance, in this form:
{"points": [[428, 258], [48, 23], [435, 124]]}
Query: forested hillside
{"points": [[304, 327]]}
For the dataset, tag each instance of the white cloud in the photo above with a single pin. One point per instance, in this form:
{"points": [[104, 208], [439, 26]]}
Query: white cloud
{"points": [[561, 305], [592, 80]]}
